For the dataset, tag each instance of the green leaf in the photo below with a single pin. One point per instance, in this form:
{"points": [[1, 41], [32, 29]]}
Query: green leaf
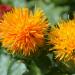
{"points": [[10, 66], [18, 68], [4, 64], [53, 13], [19, 3]]}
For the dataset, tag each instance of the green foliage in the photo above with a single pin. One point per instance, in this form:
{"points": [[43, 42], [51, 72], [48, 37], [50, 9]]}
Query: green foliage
{"points": [[52, 12], [10, 66]]}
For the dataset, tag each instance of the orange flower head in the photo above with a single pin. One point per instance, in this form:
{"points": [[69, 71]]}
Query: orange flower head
{"points": [[22, 31], [63, 39]]}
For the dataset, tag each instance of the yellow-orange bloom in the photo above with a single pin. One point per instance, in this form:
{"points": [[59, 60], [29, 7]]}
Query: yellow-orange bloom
{"points": [[63, 39], [23, 31]]}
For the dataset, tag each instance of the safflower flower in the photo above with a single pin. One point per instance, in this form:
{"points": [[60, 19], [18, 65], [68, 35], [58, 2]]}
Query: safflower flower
{"points": [[23, 31]]}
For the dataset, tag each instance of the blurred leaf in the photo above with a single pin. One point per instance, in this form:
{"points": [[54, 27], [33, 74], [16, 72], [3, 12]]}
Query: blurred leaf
{"points": [[68, 67], [18, 3], [7, 2], [31, 4], [18, 68], [4, 1], [51, 11], [63, 2], [4, 64], [60, 1], [10, 66], [61, 67]]}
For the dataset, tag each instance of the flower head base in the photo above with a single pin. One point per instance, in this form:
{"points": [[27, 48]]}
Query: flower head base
{"points": [[23, 31], [63, 39]]}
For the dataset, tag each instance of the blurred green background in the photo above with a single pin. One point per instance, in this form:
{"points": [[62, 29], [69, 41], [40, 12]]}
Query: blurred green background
{"points": [[55, 10]]}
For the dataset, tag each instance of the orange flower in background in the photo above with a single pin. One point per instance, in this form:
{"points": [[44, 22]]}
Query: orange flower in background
{"points": [[63, 39], [23, 31], [4, 9]]}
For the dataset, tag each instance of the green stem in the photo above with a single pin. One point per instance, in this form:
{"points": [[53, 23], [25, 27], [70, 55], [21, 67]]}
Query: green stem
{"points": [[35, 69]]}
